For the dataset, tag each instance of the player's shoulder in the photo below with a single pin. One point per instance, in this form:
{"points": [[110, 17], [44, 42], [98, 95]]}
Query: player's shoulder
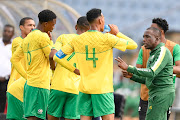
{"points": [[17, 39], [65, 37], [170, 43]]}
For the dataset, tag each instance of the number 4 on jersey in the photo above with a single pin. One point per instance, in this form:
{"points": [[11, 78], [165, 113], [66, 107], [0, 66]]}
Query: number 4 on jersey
{"points": [[93, 58]]}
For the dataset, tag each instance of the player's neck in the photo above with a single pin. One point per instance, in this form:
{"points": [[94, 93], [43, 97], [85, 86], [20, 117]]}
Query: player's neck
{"points": [[163, 39], [23, 35], [40, 27], [94, 27]]}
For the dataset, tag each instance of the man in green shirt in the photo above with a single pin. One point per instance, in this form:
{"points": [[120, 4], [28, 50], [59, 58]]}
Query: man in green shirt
{"points": [[174, 48], [158, 76]]}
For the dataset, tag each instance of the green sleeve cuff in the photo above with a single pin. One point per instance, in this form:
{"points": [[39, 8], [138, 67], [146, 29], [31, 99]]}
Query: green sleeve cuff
{"points": [[130, 69]]}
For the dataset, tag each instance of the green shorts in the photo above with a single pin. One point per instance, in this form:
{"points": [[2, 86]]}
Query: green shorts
{"points": [[96, 104], [15, 108], [35, 101], [63, 104], [158, 106]]}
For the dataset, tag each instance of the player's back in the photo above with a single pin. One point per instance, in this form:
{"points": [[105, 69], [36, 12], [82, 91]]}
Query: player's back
{"points": [[14, 74], [95, 60], [36, 47], [63, 79]]}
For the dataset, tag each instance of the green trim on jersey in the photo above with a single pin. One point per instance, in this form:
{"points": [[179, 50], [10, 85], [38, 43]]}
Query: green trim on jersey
{"points": [[21, 37], [92, 31], [34, 29]]}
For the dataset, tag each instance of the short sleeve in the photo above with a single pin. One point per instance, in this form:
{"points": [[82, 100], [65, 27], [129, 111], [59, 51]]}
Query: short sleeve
{"points": [[176, 53], [140, 57]]}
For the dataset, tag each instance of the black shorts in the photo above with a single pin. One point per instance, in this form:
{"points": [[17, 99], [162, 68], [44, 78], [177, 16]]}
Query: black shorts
{"points": [[119, 102]]}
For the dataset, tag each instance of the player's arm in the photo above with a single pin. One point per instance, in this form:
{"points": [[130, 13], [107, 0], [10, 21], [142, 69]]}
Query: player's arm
{"points": [[59, 58], [131, 45], [176, 56], [54, 50], [123, 42], [159, 62], [138, 79], [15, 60], [139, 63]]}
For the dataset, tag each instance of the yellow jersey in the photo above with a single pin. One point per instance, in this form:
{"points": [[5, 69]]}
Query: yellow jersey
{"points": [[35, 48], [14, 74], [17, 88], [94, 53], [63, 79]]}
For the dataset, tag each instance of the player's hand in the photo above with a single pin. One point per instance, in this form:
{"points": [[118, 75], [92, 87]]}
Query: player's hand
{"points": [[77, 72], [127, 74], [114, 29], [49, 34], [121, 63]]}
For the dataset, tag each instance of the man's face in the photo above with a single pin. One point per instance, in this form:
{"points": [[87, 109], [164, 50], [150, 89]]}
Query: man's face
{"points": [[50, 25], [8, 34], [149, 39], [28, 26], [102, 22]]}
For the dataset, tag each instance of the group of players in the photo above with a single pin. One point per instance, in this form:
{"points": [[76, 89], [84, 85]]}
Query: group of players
{"points": [[80, 84]]}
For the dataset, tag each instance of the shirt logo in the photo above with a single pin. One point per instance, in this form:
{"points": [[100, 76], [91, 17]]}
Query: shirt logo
{"points": [[40, 111], [150, 107], [139, 108], [60, 54]]}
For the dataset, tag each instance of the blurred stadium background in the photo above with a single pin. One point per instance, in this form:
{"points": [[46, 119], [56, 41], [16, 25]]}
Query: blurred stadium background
{"points": [[131, 16]]}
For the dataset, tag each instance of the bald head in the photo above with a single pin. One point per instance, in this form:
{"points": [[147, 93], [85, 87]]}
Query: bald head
{"points": [[155, 31]]}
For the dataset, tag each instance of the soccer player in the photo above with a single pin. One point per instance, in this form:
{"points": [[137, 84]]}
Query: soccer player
{"points": [[94, 53], [26, 25], [36, 48], [15, 90], [158, 76], [174, 48], [64, 86]]}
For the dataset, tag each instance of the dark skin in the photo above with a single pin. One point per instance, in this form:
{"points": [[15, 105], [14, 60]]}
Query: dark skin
{"points": [[8, 33], [79, 30], [151, 40], [44, 27], [176, 68]]}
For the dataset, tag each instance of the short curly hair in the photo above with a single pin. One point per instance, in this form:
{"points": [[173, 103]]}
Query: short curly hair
{"points": [[162, 23], [93, 14], [46, 16]]}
